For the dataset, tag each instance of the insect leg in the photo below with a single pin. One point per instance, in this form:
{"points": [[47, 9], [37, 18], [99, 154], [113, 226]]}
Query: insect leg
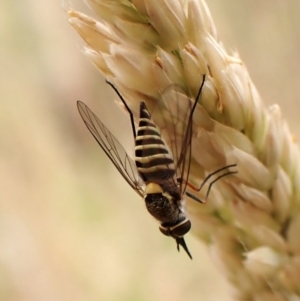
{"points": [[126, 106], [219, 177], [187, 139], [198, 96], [210, 185]]}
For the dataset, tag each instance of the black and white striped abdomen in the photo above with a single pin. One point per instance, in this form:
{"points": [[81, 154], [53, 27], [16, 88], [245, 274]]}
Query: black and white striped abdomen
{"points": [[152, 156]]}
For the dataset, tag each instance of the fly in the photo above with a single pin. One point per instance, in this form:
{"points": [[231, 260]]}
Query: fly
{"points": [[160, 171]]}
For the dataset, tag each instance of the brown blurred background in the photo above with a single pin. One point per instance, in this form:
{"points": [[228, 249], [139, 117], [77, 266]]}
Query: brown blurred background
{"points": [[70, 227]]}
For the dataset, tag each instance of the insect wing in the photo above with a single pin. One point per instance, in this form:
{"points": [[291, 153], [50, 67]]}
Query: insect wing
{"points": [[173, 115], [113, 149]]}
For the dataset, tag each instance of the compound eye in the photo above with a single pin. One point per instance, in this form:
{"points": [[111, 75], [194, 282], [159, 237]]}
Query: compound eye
{"points": [[181, 229], [165, 231], [176, 231]]}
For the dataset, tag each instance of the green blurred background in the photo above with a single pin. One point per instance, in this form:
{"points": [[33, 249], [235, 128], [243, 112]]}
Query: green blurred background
{"points": [[70, 228]]}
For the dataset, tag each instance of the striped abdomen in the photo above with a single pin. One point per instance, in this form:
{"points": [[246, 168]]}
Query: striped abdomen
{"points": [[152, 156]]}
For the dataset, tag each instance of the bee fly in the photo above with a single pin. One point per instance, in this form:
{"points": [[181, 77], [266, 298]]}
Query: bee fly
{"points": [[160, 170]]}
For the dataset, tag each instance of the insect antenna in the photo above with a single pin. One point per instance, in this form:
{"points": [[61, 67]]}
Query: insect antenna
{"points": [[210, 185], [181, 242], [126, 106]]}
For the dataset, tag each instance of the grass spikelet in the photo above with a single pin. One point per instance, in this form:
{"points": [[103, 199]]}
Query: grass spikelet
{"points": [[252, 220]]}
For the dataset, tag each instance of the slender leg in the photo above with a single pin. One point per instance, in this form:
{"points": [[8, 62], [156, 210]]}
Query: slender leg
{"points": [[198, 95], [218, 178], [187, 140], [210, 185], [126, 106]]}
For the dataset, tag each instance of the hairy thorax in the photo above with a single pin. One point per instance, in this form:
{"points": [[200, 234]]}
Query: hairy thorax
{"points": [[162, 207]]}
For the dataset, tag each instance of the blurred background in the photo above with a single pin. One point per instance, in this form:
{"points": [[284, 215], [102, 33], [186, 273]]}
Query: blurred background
{"points": [[70, 227]]}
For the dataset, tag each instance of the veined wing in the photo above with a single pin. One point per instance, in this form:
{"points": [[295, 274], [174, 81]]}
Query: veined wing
{"points": [[112, 147], [174, 117]]}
